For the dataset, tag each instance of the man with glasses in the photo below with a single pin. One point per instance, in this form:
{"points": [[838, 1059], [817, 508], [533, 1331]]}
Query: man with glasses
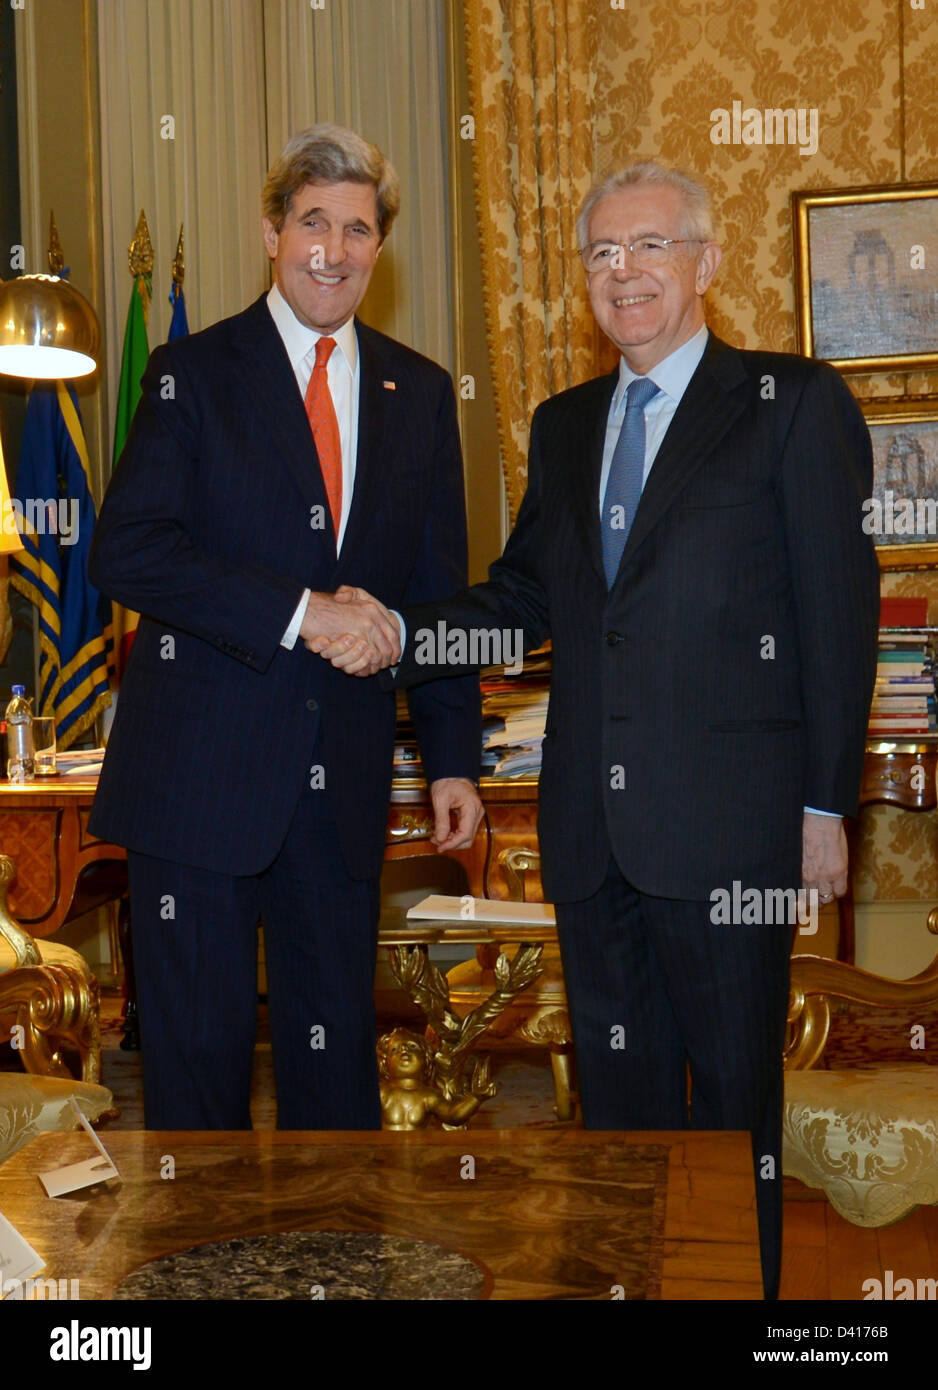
{"points": [[691, 541], [273, 457]]}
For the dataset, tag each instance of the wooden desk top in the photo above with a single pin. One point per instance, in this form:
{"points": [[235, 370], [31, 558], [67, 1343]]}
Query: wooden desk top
{"points": [[544, 1215], [49, 792], [46, 793]]}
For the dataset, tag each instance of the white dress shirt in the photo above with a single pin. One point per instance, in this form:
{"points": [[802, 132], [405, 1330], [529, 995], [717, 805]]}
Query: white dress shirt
{"points": [[671, 376], [344, 377]]}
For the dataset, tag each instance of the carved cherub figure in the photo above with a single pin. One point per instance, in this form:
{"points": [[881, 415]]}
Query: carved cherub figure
{"points": [[408, 1097]]}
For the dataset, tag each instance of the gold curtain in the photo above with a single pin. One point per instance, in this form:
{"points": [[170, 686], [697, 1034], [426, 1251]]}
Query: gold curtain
{"points": [[530, 84]]}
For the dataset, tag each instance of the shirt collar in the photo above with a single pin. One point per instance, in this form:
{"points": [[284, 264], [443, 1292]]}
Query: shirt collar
{"points": [[671, 375], [299, 340]]}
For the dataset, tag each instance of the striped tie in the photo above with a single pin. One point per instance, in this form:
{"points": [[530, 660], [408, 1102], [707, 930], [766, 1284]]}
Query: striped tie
{"points": [[624, 488], [322, 421]]}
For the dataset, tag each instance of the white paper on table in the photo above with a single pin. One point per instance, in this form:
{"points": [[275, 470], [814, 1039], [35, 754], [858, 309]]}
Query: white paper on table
{"points": [[18, 1259], [83, 1174], [489, 911]]}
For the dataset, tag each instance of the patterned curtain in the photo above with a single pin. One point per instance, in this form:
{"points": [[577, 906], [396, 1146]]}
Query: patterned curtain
{"points": [[530, 84]]}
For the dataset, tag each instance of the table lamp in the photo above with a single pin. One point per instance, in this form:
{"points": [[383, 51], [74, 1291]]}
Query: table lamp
{"points": [[48, 331]]}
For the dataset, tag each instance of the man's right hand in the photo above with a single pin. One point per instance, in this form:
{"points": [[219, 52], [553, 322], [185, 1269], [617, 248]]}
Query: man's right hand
{"points": [[357, 634]]}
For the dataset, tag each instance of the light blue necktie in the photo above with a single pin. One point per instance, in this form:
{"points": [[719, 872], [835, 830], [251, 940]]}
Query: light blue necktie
{"points": [[624, 488]]}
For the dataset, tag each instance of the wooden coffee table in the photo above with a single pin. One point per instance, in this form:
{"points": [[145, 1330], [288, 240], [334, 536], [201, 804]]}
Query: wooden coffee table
{"points": [[545, 1216]]}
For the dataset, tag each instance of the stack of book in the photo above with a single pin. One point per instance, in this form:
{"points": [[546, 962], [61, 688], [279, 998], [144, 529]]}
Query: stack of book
{"points": [[904, 695], [514, 713]]}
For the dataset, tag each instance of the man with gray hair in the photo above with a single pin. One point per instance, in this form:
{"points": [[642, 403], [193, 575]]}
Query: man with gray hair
{"points": [[297, 450], [691, 540]]}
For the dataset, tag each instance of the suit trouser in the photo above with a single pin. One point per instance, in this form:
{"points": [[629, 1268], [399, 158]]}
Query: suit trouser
{"points": [[195, 957], [684, 990]]}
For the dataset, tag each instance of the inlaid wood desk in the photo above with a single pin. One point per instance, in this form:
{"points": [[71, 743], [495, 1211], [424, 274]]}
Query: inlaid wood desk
{"points": [[62, 871], [549, 1214]]}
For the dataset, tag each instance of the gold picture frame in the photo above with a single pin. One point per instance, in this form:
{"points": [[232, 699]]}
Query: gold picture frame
{"points": [[905, 465], [866, 276]]}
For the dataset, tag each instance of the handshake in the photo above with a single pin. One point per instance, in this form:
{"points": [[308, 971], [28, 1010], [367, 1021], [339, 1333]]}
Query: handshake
{"points": [[352, 630]]}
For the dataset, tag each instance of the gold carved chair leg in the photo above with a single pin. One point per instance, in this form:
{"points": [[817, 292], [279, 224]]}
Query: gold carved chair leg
{"points": [[51, 994]]}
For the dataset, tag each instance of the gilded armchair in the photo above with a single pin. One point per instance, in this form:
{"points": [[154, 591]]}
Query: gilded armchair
{"points": [[48, 997]]}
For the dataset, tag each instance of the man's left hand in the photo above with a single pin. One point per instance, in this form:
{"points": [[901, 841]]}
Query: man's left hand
{"points": [[824, 861], [455, 794]]}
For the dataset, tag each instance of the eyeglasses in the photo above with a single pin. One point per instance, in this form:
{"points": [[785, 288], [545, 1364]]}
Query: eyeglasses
{"points": [[648, 250]]}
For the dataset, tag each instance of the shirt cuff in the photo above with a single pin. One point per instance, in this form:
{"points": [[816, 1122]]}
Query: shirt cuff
{"points": [[815, 812], [288, 639], [403, 627]]}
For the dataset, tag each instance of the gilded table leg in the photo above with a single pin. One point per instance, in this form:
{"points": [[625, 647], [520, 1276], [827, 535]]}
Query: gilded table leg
{"points": [[561, 1064]]}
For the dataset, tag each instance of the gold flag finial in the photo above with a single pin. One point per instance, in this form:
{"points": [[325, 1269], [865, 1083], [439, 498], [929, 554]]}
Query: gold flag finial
{"points": [[179, 262], [56, 258], [140, 251]]}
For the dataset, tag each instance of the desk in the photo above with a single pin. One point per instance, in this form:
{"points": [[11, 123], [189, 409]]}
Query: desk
{"points": [[44, 830], [510, 822], [547, 1215], [63, 871]]}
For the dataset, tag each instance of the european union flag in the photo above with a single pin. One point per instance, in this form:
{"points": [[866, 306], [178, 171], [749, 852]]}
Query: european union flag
{"points": [[55, 512]]}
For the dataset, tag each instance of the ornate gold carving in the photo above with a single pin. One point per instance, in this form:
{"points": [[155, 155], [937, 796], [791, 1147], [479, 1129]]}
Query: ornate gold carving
{"points": [[447, 1043], [411, 825], [179, 262], [409, 1095], [515, 863], [551, 1027], [53, 1003], [140, 250], [815, 981], [55, 1006], [24, 947], [56, 258]]}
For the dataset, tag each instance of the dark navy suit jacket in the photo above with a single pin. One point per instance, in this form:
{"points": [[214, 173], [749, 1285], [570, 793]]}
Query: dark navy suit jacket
{"points": [[209, 530], [724, 682]]}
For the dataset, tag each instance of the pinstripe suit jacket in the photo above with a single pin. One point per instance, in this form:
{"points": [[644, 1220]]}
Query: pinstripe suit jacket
{"points": [[208, 530], [723, 683]]}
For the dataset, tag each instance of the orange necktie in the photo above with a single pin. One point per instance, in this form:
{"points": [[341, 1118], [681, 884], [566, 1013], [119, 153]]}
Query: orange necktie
{"points": [[322, 421]]}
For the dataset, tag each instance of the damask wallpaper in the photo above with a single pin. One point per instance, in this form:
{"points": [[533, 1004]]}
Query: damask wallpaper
{"points": [[643, 80], [867, 70]]}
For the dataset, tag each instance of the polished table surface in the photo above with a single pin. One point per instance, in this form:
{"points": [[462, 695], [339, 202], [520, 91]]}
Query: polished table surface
{"points": [[540, 1215]]}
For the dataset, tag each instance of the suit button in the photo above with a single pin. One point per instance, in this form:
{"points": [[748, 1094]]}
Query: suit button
{"points": [[613, 637], [312, 706]]}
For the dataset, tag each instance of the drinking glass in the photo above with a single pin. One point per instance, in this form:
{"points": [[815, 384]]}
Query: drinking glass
{"points": [[44, 746]]}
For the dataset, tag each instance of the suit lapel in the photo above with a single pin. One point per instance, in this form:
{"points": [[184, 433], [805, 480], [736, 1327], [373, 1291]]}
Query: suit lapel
{"points": [[264, 372], [374, 443], [709, 407], [586, 481]]}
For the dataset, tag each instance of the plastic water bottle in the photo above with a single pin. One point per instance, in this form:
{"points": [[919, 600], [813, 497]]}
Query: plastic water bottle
{"points": [[19, 722]]}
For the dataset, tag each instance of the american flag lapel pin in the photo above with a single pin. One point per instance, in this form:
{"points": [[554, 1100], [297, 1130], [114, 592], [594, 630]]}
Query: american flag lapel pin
{"points": [[389, 385]]}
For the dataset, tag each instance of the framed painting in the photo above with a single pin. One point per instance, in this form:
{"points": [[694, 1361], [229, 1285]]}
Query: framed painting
{"points": [[866, 276], [902, 514]]}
